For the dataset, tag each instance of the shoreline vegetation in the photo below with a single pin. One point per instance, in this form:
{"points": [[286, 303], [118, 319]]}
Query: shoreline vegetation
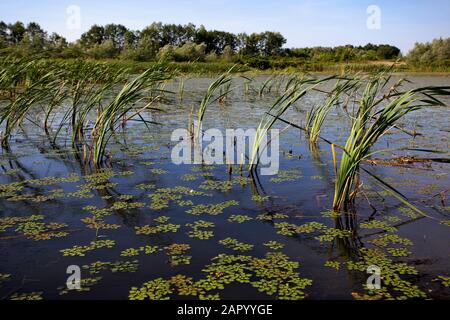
{"points": [[189, 49]]}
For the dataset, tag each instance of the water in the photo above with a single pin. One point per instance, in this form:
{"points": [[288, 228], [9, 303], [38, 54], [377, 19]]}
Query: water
{"points": [[36, 208]]}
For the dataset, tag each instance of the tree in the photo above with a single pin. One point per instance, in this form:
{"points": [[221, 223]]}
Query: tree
{"points": [[104, 50], [3, 30], [385, 51], [166, 53], [16, 32], [228, 54], [116, 33], [436, 53], [34, 38], [3, 35], [57, 42], [272, 43], [94, 36]]}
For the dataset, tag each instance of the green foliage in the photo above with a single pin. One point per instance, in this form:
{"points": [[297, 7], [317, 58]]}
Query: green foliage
{"points": [[161, 198], [212, 209], [333, 264], [27, 296], [274, 275], [274, 245], [235, 245], [445, 281], [80, 251], [239, 218], [431, 55], [198, 230], [391, 275]]}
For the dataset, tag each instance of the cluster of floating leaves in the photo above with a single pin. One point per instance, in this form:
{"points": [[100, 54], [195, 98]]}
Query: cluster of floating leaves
{"points": [[290, 229], [4, 277], [385, 240], [333, 264], [394, 286], [161, 198], [176, 253], [118, 266], [99, 180], [27, 296], [80, 251], [271, 216], [286, 176], [200, 230], [445, 281], [274, 275], [11, 190], [259, 198], [85, 285], [211, 209], [377, 224], [239, 218], [161, 227], [274, 245], [132, 252], [33, 228], [236, 245]]}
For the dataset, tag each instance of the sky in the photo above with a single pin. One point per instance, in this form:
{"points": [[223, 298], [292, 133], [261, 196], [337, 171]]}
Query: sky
{"points": [[304, 23]]}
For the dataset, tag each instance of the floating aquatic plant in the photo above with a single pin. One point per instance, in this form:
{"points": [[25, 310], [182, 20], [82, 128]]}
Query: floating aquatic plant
{"points": [[80, 251], [274, 274], [389, 239], [144, 186], [289, 229], [391, 276], [274, 245], [333, 264], [158, 289], [212, 209], [27, 296], [179, 260], [271, 216], [161, 198], [161, 228], [40, 231], [4, 277], [399, 252], [331, 234], [259, 198], [239, 218], [236, 245], [85, 285], [377, 224], [132, 252], [286, 176], [199, 230], [445, 281]]}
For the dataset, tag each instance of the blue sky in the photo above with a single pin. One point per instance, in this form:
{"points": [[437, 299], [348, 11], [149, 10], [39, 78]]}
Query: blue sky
{"points": [[302, 22]]}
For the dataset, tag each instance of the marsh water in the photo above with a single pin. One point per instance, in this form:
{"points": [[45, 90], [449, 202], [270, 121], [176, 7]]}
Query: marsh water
{"points": [[201, 231]]}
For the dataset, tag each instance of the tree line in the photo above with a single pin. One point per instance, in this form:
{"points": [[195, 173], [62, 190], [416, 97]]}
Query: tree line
{"points": [[432, 54], [188, 42]]}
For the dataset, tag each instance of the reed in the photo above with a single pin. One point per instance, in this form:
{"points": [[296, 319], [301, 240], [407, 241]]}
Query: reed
{"points": [[209, 98], [123, 107], [299, 87], [317, 115], [375, 116]]}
